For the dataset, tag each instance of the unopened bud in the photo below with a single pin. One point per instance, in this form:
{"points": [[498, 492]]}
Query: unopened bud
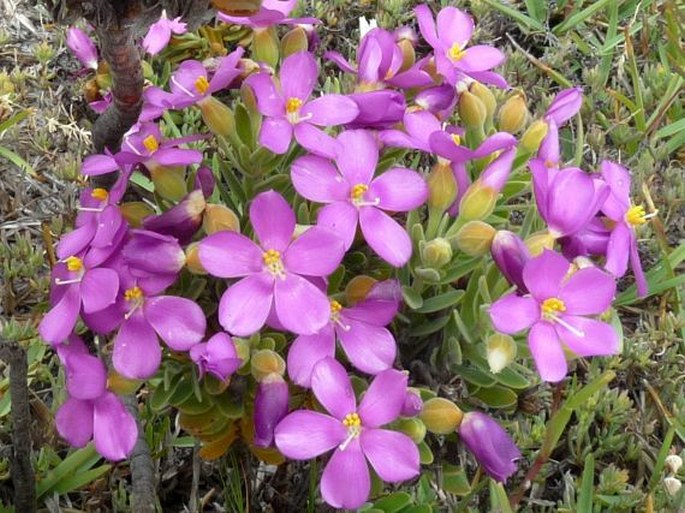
{"points": [[485, 95], [673, 463], [265, 362], [413, 404], [414, 428], [219, 218], [182, 220], [170, 182], [120, 385], [217, 116], [478, 202], [538, 242], [442, 187], [358, 288], [436, 253], [510, 254], [472, 110], [408, 54], [501, 351], [532, 138], [475, 238], [265, 46], [441, 416], [673, 485], [513, 115], [237, 7], [193, 263], [294, 41], [270, 406], [134, 212]]}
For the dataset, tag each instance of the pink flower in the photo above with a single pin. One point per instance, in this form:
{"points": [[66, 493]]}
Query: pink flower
{"points": [[353, 196], [274, 271], [272, 12], [82, 47], [217, 356], [490, 444], [353, 433], [159, 35]]}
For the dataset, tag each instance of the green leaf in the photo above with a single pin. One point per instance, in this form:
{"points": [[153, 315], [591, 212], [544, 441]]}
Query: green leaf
{"points": [[429, 327], [526, 21], [497, 397], [425, 454], [474, 375], [17, 161], [81, 479], [441, 302], [499, 499], [393, 502], [586, 485], [512, 378], [579, 17], [412, 298], [243, 125], [80, 459], [537, 9], [454, 480]]}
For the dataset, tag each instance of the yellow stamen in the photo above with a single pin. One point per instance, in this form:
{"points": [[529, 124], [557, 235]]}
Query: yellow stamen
{"points": [[636, 215], [74, 264], [352, 420], [358, 191], [99, 194], [456, 53], [151, 144], [202, 84], [273, 262], [335, 307], [456, 139], [133, 294], [551, 306], [293, 105]]}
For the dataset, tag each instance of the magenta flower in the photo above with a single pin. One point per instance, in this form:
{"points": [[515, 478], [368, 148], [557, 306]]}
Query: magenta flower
{"points": [[556, 312], [182, 220], [272, 12], [217, 356], [361, 330], [288, 110], [82, 47], [565, 105], [273, 272], [354, 433], [168, 256], [270, 406], [627, 217], [449, 36], [101, 105], [354, 196], [510, 254], [143, 144], [378, 109], [490, 444], [76, 286], [440, 100], [92, 412], [159, 35]]}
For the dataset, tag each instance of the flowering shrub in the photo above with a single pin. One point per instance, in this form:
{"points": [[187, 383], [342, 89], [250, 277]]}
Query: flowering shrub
{"points": [[373, 214]]}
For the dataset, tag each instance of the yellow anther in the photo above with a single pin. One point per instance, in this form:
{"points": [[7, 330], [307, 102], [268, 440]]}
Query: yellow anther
{"points": [[335, 307], [271, 257], [455, 53], [358, 191], [636, 215], [74, 264], [549, 164], [456, 139], [352, 420], [293, 105], [551, 306], [99, 194], [133, 294], [202, 84], [151, 144]]}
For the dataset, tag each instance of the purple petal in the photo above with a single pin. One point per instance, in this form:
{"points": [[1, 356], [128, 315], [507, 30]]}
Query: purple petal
{"points": [[394, 456], [427, 25], [513, 313], [378, 109], [303, 434], [544, 274], [59, 322], [74, 421], [398, 139], [273, 220], [340, 61], [157, 37], [333, 389], [549, 151], [114, 428], [230, 255], [490, 444], [270, 406], [572, 200], [86, 376], [330, 110], [76, 240], [316, 140], [306, 351], [443, 145], [227, 71], [276, 134], [317, 252], [137, 353], [269, 100], [177, 157], [369, 348], [547, 352], [636, 266], [481, 58], [99, 289], [387, 238], [300, 306], [618, 179], [496, 142], [399, 190], [565, 105], [299, 73], [109, 223], [593, 338], [178, 321], [95, 165], [618, 249], [489, 78], [316, 179], [244, 307], [183, 81], [588, 291], [341, 217], [454, 26], [383, 400], [82, 47], [358, 156], [345, 482], [377, 309]]}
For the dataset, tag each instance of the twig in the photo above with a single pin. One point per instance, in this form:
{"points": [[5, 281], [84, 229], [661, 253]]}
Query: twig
{"points": [[144, 493]]}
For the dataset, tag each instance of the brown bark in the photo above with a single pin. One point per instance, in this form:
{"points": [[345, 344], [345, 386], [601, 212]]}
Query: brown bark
{"points": [[143, 482]]}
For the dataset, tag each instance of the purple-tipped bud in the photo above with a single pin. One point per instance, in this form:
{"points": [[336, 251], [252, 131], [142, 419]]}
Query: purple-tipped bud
{"points": [[437, 99], [205, 181], [510, 254], [406, 33], [82, 47], [378, 109], [270, 406], [490, 444], [413, 404], [217, 356], [180, 221], [565, 105], [153, 253]]}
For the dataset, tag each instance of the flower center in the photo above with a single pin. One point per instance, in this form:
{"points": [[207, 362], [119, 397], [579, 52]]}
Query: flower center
{"points": [[456, 139], [357, 193], [551, 306], [273, 262], [354, 428], [636, 215], [202, 84], [549, 164], [99, 194], [74, 264], [456, 53], [133, 296], [151, 143], [292, 108], [335, 307]]}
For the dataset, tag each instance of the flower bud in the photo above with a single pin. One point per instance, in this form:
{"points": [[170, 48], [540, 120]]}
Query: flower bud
{"points": [[408, 54], [478, 202], [170, 182], [513, 115], [532, 138], [538, 242], [294, 41], [485, 95], [436, 99], [442, 187], [510, 254], [565, 105], [82, 47], [475, 238], [413, 404], [498, 456], [134, 212], [441, 416], [501, 351], [436, 253], [217, 116], [120, 385], [237, 7], [673, 485], [217, 357], [270, 406], [265, 362], [673, 463], [218, 218], [193, 263], [180, 221], [167, 255], [472, 110], [205, 181], [413, 428], [265, 46], [358, 288]]}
